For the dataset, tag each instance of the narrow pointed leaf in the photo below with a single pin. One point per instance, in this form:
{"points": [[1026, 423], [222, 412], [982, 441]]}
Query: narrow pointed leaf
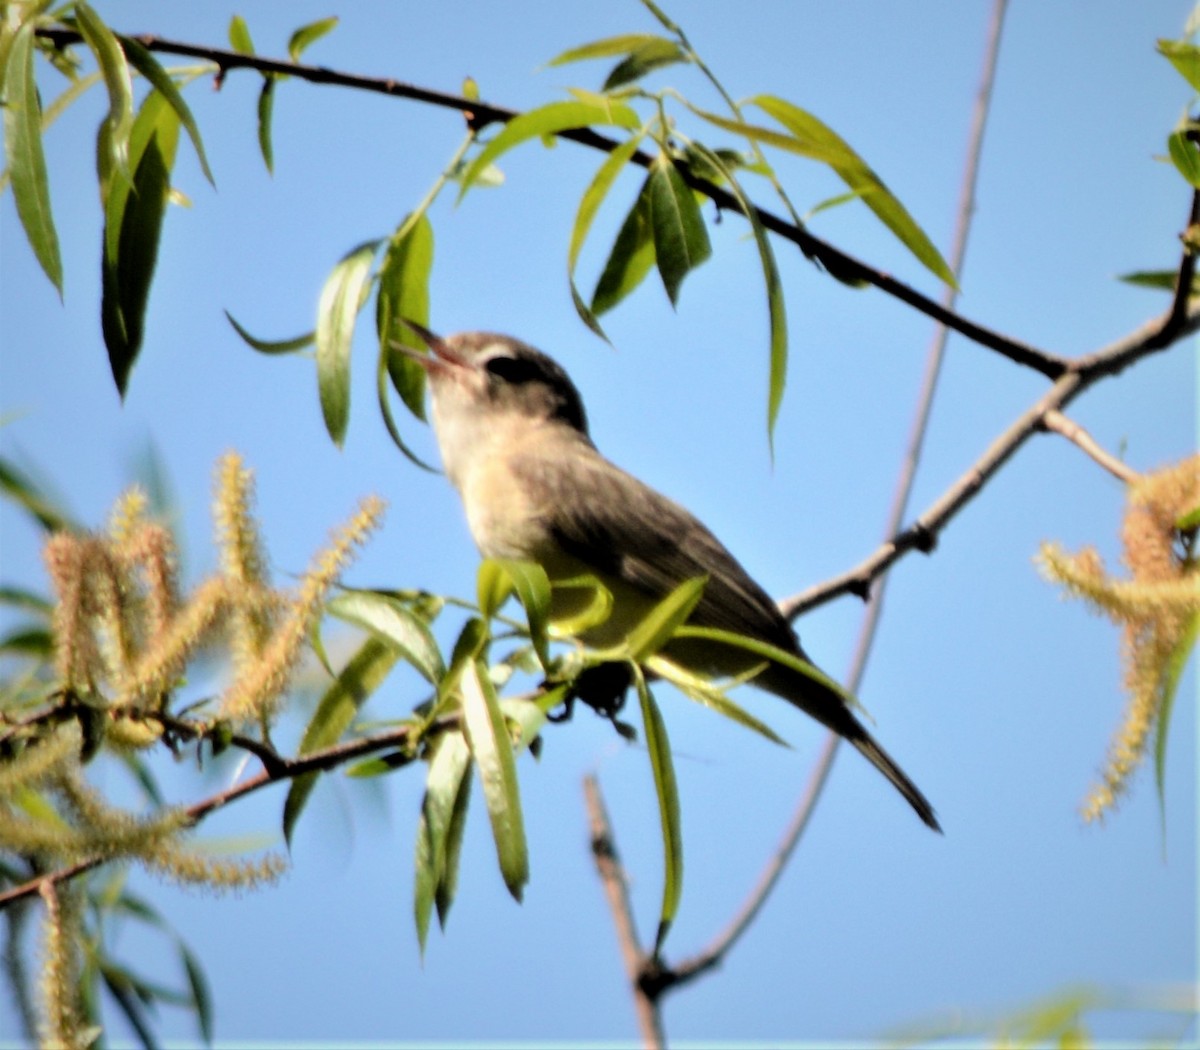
{"points": [[660, 624], [705, 692], [392, 621], [547, 120], [24, 158], [1163, 280], [658, 746], [198, 987], [776, 308], [404, 293], [448, 885], [309, 34], [279, 346], [341, 299], [492, 750], [653, 54], [680, 238], [382, 384], [472, 641], [17, 486], [608, 47], [1176, 662], [361, 676], [132, 228], [630, 259], [146, 64], [589, 204], [449, 763], [266, 110], [857, 174], [493, 585], [1185, 157]]}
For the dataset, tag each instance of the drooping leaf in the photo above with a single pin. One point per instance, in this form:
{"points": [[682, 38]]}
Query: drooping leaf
{"points": [[198, 986], [393, 621], [337, 311], [857, 174], [492, 587], [309, 34], [1164, 280], [133, 215], [645, 58], [449, 763], [589, 204], [112, 147], [472, 642], [776, 308], [17, 486], [361, 676], [532, 585], [680, 238], [24, 157], [404, 293], [265, 346], [382, 396], [1176, 663], [661, 623], [658, 746], [266, 110], [146, 64], [1185, 58], [630, 259], [543, 121], [492, 750]]}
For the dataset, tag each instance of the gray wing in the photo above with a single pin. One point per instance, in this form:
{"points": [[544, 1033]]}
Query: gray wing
{"points": [[607, 518]]}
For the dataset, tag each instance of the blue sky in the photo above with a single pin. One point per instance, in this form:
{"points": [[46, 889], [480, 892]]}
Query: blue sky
{"points": [[996, 696]]}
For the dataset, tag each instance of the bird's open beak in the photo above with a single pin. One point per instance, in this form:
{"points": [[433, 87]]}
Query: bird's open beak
{"points": [[440, 360]]}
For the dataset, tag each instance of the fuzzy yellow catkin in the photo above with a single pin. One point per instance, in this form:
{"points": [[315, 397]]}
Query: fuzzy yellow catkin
{"points": [[41, 758], [257, 691], [218, 873], [61, 1009]]}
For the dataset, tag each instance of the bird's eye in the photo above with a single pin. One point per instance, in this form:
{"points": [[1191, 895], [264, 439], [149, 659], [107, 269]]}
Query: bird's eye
{"points": [[513, 369]]}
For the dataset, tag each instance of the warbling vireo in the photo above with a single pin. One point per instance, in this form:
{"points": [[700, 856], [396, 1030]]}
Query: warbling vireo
{"points": [[514, 441]]}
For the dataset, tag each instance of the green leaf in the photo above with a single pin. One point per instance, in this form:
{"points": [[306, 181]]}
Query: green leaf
{"points": [[583, 615], [492, 587], [776, 308], [1185, 58], [703, 691], [680, 239], [280, 346], [824, 151], [1173, 672], [652, 55], [392, 621], [660, 624], [27, 641], [589, 204], [201, 996], [266, 109], [608, 47], [487, 735], [1189, 520], [24, 491], [24, 157], [547, 120], [385, 409], [133, 215], [146, 64], [1163, 280], [471, 642], [361, 676], [447, 790], [112, 147], [239, 36], [658, 747], [529, 716], [341, 299], [309, 34], [404, 293], [1185, 156], [631, 256], [532, 585], [857, 174], [20, 598]]}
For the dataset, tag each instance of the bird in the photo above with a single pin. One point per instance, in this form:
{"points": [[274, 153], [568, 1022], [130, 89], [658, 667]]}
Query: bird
{"points": [[513, 437]]}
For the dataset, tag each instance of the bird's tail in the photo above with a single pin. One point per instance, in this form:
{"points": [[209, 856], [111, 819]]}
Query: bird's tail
{"points": [[882, 761]]}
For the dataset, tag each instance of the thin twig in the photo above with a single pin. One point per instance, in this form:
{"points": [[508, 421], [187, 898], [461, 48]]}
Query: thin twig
{"points": [[616, 890], [480, 114], [1058, 423]]}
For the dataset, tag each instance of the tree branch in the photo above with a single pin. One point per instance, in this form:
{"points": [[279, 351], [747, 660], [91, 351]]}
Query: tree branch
{"points": [[480, 114]]}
